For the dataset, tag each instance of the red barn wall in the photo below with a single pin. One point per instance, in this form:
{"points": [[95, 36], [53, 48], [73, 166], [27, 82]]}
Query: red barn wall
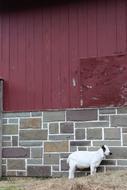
{"points": [[40, 50]]}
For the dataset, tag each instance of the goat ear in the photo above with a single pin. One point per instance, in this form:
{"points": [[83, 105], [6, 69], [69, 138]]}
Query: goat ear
{"points": [[103, 148]]}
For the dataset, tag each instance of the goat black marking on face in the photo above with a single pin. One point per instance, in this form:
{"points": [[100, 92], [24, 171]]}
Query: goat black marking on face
{"points": [[103, 148]]}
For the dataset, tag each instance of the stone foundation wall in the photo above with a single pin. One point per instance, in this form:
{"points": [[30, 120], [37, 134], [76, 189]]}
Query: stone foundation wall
{"points": [[1, 111], [38, 143]]}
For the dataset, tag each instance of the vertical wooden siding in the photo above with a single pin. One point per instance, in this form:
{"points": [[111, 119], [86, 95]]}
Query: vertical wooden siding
{"points": [[40, 50]]}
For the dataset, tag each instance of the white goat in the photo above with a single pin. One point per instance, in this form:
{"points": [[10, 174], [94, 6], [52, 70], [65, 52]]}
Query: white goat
{"points": [[86, 159]]}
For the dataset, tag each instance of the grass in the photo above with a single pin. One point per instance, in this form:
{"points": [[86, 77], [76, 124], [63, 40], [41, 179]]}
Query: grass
{"points": [[9, 188], [102, 181]]}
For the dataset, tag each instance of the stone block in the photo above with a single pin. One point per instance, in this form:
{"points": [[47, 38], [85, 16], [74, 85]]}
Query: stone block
{"points": [[45, 125], [59, 174], [15, 152], [36, 171], [100, 169], [6, 144], [21, 173], [4, 121], [82, 148], [122, 110], [122, 162], [53, 128], [64, 155], [92, 124], [16, 164], [36, 152], [34, 161], [61, 137], [112, 134], [108, 143], [16, 114], [36, 114], [108, 162], [66, 127], [107, 111], [33, 134], [51, 159], [13, 121], [3, 161], [118, 152], [124, 130], [64, 165], [82, 173], [73, 148], [94, 134], [80, 134], [4, 170], [30, 143], [125, 139], [52, 116], [55, 168], [80, 143], [60, 146], [104, 118], [11, 173], [82, 169], [119, 121], [115, 168], [93, 148], [10, 129], [81, 115], [14, 140], [6, 138], [30, 123]]}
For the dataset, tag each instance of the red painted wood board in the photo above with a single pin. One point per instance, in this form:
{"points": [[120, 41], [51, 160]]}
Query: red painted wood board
{"points": [[103, 81]]}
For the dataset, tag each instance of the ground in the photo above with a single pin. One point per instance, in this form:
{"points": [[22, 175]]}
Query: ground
{"points": [[103, 181]]}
